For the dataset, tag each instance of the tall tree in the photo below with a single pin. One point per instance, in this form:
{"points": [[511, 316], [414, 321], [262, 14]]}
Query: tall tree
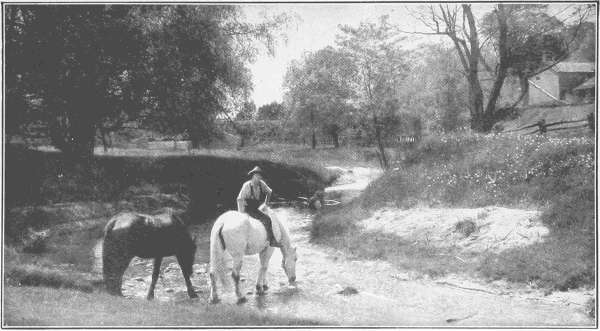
{"points": [[193, 63], [271, 111], [319, 91], [381, 68], [507, 26], [95, 66], [536, 41], [247, 111], [75, 58]]}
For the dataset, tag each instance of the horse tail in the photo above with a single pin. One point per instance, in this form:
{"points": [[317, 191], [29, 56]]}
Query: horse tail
{"points": [[217, 253], [221, 237], [108, 249]]}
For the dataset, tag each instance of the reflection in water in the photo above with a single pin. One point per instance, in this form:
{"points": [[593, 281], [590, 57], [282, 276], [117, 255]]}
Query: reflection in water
{"points": [[261, 302], [286, 294]]}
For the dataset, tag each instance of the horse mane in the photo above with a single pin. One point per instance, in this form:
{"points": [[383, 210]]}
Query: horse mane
{"points": [[109, 226]]}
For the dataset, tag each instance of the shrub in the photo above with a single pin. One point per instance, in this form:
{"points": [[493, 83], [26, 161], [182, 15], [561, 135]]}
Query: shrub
{"points": [[31, 275]]}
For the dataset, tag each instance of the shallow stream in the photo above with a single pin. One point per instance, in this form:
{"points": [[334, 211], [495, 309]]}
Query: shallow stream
{"points": [[336, 289]]}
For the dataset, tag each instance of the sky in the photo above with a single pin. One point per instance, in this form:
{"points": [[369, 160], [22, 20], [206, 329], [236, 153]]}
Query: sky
{"points": [[315, 27]]}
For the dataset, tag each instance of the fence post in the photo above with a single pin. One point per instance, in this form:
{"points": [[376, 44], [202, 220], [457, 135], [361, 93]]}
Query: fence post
{"points": [[542, 126]]}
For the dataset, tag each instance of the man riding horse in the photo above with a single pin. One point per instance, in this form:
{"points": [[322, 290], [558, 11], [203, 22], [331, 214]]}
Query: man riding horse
{"points": [[254, 192]]}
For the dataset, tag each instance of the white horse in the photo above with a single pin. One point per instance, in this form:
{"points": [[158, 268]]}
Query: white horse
{"points": [[239, 234]]}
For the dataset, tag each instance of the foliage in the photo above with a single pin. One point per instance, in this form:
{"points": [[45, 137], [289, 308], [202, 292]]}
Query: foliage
{"points": [[319, 90], [247, 112], [584, 42], [192, 59], [271, 111], [519, 33], [93, 67], [381, 68], [533, 35], [74, 58]]}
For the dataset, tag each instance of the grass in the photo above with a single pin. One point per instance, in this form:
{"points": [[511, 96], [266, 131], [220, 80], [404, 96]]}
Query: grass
{"points": [[553, 174], [39, 307], [66, 259]]}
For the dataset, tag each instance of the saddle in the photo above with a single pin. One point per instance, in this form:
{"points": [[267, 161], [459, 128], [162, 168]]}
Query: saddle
{"points": [[275, 225]]}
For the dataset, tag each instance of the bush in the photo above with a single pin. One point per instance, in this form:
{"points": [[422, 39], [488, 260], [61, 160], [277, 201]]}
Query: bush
{"points": [[30, 275]]}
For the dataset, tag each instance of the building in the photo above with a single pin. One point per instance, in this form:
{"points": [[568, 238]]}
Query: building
{"points": [[564, 83]]}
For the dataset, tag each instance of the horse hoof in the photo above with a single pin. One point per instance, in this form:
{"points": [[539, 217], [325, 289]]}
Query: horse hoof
{"points": [[242, 300]]}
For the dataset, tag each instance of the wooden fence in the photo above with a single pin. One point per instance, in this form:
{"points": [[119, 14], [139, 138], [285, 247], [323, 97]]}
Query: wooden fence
{"points": [[542, 127]]}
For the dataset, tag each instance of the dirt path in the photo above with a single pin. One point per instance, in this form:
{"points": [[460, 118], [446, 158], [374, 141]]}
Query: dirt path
{"points": [[384, 296]]}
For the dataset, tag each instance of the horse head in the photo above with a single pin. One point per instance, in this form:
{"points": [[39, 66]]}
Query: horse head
{"points": [[290, 257], [289, 263]]}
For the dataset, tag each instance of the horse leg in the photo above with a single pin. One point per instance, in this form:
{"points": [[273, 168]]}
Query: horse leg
{"points": [[214, 298], [113, 268], [235, 274], [186, 269], [155, 273], [261, 282]]}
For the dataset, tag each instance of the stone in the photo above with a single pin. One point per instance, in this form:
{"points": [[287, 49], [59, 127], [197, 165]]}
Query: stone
{"points": [[348, 290]]}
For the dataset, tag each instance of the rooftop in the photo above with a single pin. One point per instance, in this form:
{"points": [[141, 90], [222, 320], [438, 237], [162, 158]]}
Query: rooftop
{"points": [[574, 67]]}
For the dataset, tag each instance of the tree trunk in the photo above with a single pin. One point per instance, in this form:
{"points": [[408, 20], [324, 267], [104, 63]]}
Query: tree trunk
{"points": [[103, 137], [382, 157], [312, 123], [490, 113], [336, 139]]}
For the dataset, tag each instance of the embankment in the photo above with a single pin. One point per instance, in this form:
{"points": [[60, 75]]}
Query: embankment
{"points": [[211, 182], [549, 178]]}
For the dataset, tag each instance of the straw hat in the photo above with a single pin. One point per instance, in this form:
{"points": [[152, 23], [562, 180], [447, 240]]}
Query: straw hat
{"points": [[255, 170]]}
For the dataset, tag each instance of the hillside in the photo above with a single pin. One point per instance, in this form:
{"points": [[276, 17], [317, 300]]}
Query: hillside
{"points": [[452, 194]]}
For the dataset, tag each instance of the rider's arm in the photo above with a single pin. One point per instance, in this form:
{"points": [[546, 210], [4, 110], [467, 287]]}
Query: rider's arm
{"points": [[241, 199], [241, 205], [268, 191]]}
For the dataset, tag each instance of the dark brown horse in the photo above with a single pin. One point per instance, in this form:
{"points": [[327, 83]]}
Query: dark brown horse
{"points": [[130, 234]]}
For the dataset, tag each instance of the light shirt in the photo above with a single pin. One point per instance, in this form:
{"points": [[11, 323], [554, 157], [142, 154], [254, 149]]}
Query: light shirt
{"points": [[248, 188]]}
